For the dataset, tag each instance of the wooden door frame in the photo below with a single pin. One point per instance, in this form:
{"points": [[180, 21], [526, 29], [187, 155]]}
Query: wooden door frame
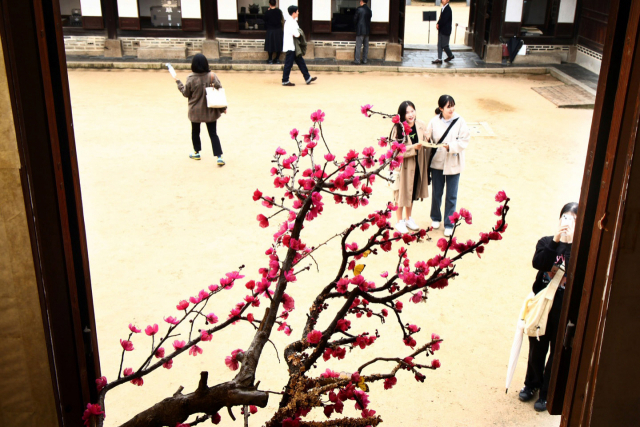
{"points": [[33, 47], [592, 266]]}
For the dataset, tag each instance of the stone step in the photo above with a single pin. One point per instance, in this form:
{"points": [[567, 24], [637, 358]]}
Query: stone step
{"points": [[434, 47], [162, 53], [538, 58], [348, 54]]}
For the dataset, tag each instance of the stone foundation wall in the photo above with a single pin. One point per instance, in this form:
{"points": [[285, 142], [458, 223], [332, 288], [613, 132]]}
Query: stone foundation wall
{"points": [[130, 45], [227, 45], [589, 59], [589, 52], [94, 46], [86, 46], [546, 48]]}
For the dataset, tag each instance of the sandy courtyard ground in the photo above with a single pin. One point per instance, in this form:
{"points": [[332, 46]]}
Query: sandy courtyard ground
{"points": [[160, 226]]}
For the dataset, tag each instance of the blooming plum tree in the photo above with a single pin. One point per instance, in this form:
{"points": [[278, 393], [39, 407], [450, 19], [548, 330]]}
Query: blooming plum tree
{"points": [[307, 180]]}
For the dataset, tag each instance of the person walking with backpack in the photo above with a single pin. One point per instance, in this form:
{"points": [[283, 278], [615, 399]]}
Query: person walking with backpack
{"points": [[291, 31], [449, 130], [551, 251], [443, 26], [199, 112], [362, 20]]}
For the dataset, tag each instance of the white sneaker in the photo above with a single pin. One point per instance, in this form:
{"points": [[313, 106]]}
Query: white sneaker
{"points": [[435, 224], [448, 232], [410, 223], [401, 227]]}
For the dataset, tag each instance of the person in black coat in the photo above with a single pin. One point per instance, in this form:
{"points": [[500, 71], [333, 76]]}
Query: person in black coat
{"points": [[444, 32], [273, 24], [362, 20], [550, 251]]}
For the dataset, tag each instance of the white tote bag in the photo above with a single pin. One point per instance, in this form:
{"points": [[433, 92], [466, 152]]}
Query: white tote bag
{"points": [[216, 98]]}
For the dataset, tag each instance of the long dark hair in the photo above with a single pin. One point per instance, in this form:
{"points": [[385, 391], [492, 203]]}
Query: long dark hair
{"points": [[402, 112], [443, 101], [199, 64], [569, 208]]}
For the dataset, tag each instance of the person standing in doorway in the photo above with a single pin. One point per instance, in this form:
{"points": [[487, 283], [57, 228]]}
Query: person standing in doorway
{"points": [[195, 90], [292, 30], [550, 251], [451, 131], [362, 20], [273, 24], [444, 32]]}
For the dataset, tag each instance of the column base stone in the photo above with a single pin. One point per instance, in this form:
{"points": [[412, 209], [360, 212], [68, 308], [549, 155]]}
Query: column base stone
{"points": [[211, 49], [494, 54], [113, 48], [393, 53]]}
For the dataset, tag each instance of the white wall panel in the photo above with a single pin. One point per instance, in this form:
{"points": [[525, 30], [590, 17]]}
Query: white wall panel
{"points": [[379, 10], [90, 7], [321, 10], [191, 9], [227, 9], [513, 12], [567, 11], [128, 8], [284, 5]]}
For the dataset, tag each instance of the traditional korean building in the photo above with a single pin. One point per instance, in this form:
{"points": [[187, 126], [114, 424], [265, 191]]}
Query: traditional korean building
{"points": [[231, 28], [570, 29]]}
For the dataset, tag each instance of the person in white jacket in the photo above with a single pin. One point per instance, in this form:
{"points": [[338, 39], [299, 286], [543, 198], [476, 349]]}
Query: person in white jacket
{"points": [[292, 30], [448, 161]]}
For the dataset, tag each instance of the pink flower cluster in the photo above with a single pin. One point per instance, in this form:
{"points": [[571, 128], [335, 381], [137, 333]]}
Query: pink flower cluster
{"points": [[349, 392], [232, 361]]}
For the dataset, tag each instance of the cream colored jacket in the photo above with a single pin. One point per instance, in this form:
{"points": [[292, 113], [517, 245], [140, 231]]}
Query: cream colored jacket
{"points": [[451, 162]]}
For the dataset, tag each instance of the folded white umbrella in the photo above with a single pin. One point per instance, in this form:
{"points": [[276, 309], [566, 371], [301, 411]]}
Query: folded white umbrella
{"points": [[515, 352]]}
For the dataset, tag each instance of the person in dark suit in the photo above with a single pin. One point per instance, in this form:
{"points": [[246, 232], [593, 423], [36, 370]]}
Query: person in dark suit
{"points": [[362, 20], [444, 32]]}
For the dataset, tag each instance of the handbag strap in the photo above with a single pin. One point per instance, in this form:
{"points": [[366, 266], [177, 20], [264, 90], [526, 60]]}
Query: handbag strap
{"points": [[552, 287], [444, 135], [446, 132]]}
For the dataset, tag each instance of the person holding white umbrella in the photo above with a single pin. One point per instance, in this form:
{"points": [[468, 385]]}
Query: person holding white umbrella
{"points": [[551, 251]]}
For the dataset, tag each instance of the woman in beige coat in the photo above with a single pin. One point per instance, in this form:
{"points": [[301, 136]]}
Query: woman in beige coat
{"points": [[199, 112], [414, 172], [448, 161]]}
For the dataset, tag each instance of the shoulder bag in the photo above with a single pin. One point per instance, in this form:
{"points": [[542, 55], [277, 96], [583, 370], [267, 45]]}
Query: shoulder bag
{"points": [[536, 308], [216, 98]]}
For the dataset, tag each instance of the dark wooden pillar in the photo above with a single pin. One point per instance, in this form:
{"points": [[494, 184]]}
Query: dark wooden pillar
{"points": [[595, 368], [110, 14], [34, 54], [209, 17], [394, 21], [497, 17], [306, 17]]}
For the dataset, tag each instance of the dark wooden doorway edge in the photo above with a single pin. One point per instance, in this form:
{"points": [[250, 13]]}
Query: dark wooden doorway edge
{"points": [[36, 68]]}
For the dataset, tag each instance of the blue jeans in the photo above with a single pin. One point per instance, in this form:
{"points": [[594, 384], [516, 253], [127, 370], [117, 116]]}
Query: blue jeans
{"points": [[451, 197], [288, 64]]}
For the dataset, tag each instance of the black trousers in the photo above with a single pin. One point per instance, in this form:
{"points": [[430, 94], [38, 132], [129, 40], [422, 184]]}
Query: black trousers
{"points": [[288, 64], [538, 375], [215, 141]]}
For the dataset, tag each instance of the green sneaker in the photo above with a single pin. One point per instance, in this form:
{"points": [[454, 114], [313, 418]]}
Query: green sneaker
{"points": [[194, 156], [220, 161]]}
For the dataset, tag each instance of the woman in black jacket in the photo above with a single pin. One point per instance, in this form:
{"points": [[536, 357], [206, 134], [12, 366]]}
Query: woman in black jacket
{"points": [[273, 24], [550, 251]]}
